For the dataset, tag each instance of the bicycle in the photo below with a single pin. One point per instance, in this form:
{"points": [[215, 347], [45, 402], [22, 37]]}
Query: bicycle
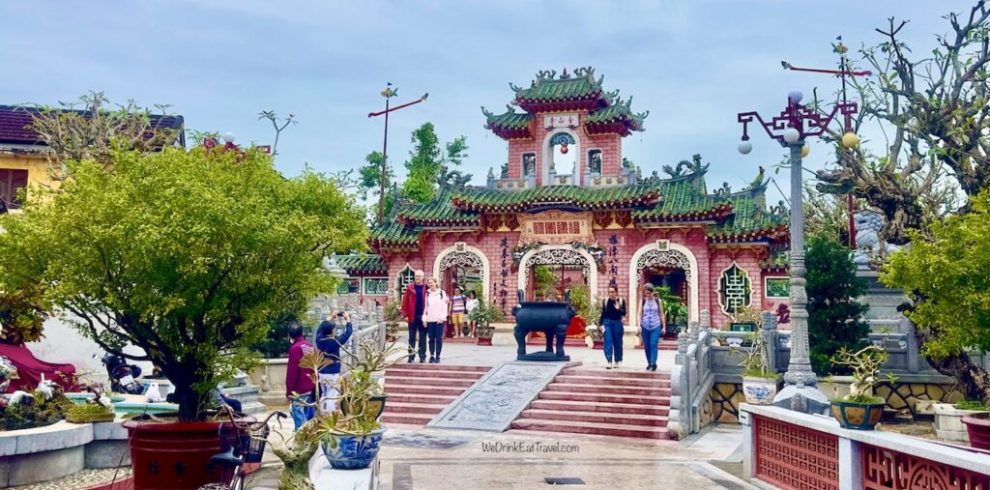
{"points": [[241, 442]]}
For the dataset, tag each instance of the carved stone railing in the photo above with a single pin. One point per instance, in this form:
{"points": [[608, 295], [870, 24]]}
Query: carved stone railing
{"points": [[512, 184], [367, 320], [691, 378]]}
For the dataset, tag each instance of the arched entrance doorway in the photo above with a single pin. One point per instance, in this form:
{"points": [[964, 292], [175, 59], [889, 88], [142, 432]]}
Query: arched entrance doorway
{"points": [[465, 266], [565, 261], [669, 264]]}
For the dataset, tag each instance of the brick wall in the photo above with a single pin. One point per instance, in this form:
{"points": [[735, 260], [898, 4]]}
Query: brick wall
{"points": [[610, 144]]}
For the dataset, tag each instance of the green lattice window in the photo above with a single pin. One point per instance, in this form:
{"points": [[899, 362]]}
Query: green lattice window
{"points": [[349, 285], [375, 285], [734, 289]]}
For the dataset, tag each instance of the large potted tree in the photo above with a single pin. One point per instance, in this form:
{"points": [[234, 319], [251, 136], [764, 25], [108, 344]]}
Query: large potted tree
{"points": [[187, 255]]}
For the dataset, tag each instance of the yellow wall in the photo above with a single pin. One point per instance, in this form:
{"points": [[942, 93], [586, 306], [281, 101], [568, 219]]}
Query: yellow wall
{"points": [[37, 167]]}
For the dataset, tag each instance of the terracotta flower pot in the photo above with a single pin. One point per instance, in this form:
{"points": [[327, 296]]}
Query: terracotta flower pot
{"points": [[978, 426], [859, 416], [172, 456], [484, 341]]}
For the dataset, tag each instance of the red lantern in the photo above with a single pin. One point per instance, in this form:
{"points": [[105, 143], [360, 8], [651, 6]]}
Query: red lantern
{"points": [[563, 148]]}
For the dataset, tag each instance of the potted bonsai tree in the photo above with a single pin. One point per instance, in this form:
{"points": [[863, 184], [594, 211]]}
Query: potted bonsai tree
{"points": [[760, 380], [861, 408], [483, 316], [186, 255]]}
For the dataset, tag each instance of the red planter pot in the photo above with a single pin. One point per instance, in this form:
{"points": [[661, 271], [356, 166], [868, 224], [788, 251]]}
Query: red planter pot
{"points": [[598, 344], [172, 456], [482, 341], [978, 427]]}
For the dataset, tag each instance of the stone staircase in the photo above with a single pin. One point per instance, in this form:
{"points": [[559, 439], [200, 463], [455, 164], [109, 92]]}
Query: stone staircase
{"points": [[621, 403], [418, 392]]}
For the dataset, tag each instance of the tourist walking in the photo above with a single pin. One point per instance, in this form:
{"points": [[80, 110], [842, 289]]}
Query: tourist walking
{"points": [[329, 341], [299, 386], [472, 303], [652, 325], [413, 305], [458, 310], [437, 310], [613, 312]]}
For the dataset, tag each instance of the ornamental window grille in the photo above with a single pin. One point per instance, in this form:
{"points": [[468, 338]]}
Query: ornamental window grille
{"points": [[734, 289], [351, 285], [595, 162], [528, 164], [406, 277], [555, 256], [562, 139], [375, 285], [468, 260]]}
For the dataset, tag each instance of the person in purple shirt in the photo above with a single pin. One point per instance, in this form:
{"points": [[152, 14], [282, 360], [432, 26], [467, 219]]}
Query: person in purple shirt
{"points": [[299, 385]]}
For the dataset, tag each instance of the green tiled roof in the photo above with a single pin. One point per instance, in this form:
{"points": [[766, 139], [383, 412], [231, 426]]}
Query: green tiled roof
{"points": [[395, 234], [681, 200], [585, 197], [509, 119], [358, 264], [747, 219], [436, 212], [549, 87], [618, 112]]}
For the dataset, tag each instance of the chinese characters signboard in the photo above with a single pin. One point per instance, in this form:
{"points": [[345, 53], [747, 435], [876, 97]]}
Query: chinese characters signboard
{"points": [[556, 227]]}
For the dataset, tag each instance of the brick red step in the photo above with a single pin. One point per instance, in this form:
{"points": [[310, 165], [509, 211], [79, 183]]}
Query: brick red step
{"points": [[439, 367], [595, 379], [422, 390], [591, 428], [418, 398], [407, 418], [580, 406], [428, 381], [405, 407], [432, 373], [621, 373], [608, 390], [602, 398], [597, 417]]}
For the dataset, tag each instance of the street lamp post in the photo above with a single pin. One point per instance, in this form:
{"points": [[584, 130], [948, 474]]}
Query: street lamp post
{"points": [[792, 128], [388, 93]]}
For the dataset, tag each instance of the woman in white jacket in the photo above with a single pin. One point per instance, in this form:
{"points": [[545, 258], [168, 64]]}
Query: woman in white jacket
{"points": [[434, 315]]}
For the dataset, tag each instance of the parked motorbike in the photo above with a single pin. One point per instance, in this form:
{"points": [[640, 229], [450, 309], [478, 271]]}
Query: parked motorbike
{"points": [[123, 376]]}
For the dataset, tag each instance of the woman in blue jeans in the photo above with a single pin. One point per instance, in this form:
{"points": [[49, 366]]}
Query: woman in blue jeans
{"points": [[613, 312], [652, 325]]}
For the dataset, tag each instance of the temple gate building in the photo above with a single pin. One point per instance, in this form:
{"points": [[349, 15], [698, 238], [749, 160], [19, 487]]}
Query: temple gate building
{"points": [[566, 200]]}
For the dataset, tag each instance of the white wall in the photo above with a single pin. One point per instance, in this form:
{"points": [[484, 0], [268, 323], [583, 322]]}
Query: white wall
{"points": [[63, 343]]}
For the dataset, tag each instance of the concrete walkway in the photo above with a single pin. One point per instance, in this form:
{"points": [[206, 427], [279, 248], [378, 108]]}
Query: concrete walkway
{"points": [[432, 459]]}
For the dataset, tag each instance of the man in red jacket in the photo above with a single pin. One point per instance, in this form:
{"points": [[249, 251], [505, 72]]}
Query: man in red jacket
{"points": [[299, 385], [413, 304]]}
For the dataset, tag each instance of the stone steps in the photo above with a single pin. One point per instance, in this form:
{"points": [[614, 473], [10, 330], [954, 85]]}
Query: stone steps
{"points": [[611, 418], [610, 390], [601, 402], [414, 381], [621, 373], [596, 379], [579, 406], [642, 432], [601, 398], [418, 392]]}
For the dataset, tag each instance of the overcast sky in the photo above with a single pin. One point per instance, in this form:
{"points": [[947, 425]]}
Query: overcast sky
{"points": [[693, 64]]}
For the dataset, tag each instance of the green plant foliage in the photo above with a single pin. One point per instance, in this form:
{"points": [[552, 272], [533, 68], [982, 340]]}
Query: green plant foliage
{"points": [[276, 343], [972, 405], [484, 315], [864, 364], [186, 254], [674, 310], [947, 276], [88, 413], [545, 282], [428, 161], [22, 314], [835, 317], [756, 360]]}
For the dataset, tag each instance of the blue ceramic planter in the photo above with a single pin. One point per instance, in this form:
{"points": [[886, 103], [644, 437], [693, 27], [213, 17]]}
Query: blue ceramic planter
{"points": [[352, 452]]}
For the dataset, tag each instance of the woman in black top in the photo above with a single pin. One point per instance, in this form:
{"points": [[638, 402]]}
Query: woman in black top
{"points": [[613, 312]]}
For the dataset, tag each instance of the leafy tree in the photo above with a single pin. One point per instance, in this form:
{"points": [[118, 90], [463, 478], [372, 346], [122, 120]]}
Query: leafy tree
{"points": [[22, 314], [93, 131], [428, 161], [947, 278], [186, 254], [276, 343], [932, 110], [835, 317]]}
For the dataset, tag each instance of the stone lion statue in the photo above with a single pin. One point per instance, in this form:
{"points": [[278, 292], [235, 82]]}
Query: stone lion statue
{"points": [[870, 247]]}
